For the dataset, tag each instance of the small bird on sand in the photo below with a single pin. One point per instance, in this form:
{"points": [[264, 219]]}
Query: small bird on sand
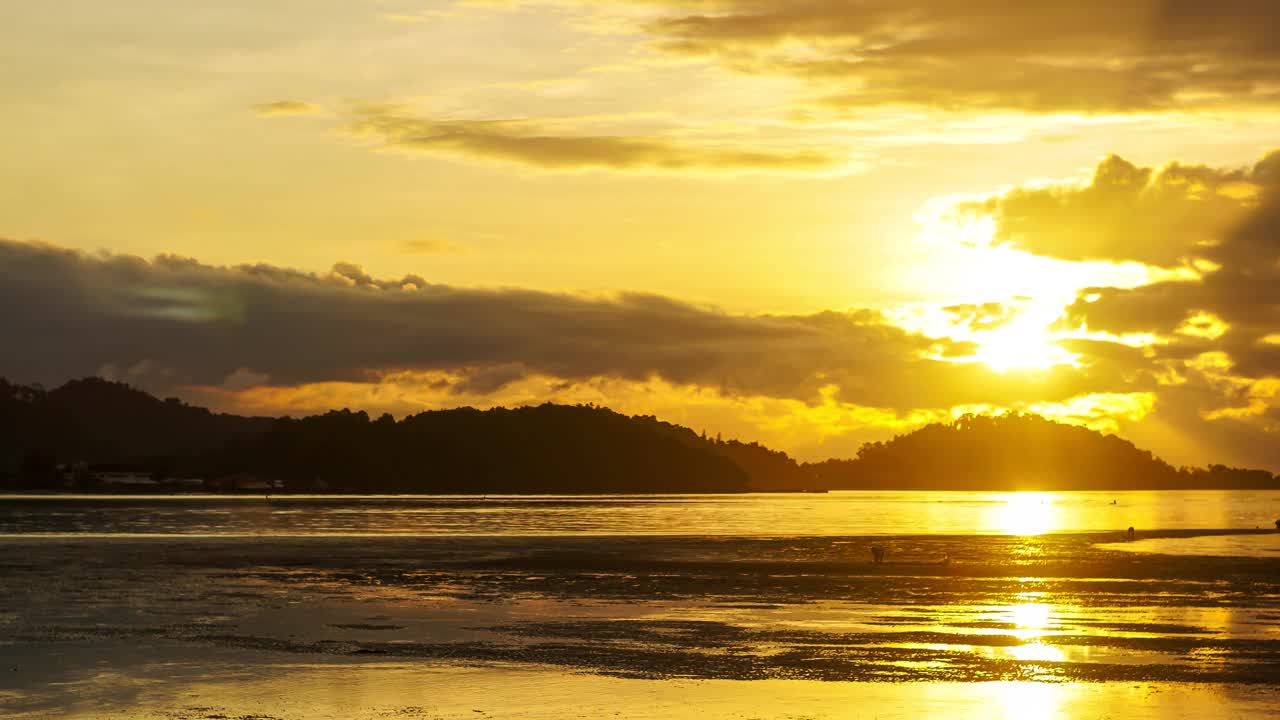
{"points": [[1130, 533]]}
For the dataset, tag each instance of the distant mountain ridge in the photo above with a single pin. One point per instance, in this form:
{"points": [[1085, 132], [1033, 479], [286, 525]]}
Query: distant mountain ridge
{"points": [[549, 449]]}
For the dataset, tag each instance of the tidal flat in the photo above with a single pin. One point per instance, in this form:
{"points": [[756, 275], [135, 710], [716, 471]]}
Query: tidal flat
{"points": [[1054, 625]]}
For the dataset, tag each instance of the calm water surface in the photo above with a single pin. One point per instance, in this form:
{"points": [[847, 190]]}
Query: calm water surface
{"points": [[755, 515], [698, 606]]}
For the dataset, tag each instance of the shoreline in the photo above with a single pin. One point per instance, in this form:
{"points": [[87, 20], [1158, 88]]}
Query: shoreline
{"points": [[206, 627]]}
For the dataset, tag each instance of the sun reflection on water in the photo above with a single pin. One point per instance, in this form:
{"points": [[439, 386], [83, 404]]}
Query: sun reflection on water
{"points": [[1032, 622], [1031, 619], [1027, 513], [1029, 700]]}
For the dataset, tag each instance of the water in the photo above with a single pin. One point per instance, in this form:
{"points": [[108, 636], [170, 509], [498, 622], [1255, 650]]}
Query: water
{"points": [[753, 515], [711, 606]]}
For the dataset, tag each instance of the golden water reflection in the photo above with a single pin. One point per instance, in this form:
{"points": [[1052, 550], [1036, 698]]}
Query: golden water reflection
{"points": [[1032, 620], [1029, 701], [1030, 513], [377, 691], [1027, 513]]}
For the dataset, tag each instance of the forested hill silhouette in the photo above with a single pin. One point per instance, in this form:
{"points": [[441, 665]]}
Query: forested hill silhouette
{"points": [[53, 439], [1018, 451], [546, 449], [108, 422], [543, 449]]}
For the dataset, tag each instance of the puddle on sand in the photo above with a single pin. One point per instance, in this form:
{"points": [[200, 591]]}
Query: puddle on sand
{"points": [[1254, 546]]}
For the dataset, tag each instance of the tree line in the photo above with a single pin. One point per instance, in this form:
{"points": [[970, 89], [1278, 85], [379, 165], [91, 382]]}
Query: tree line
{"points": [[546, 449]]}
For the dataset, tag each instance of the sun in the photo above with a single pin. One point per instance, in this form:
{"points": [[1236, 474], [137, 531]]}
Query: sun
{"points": [[1019, 335], [1020, 346]]}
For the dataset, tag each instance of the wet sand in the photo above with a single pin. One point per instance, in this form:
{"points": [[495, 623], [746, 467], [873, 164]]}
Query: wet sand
{"points": [[317, 627]]}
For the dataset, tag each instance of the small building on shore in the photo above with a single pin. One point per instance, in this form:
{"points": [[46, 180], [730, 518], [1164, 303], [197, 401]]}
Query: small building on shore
{"points": [[185, 483], [245, 483], [122, 479]]}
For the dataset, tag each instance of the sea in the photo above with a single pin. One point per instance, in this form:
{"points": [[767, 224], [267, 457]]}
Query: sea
{"points": [[1029, 605]]}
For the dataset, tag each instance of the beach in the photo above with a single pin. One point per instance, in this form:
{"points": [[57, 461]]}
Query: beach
{"points": [[1071, 623]]}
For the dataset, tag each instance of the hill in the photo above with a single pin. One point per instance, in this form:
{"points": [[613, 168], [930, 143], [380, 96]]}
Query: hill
{"points": [[1019, 452], [107, 422], [545, 449], [548, 449]]}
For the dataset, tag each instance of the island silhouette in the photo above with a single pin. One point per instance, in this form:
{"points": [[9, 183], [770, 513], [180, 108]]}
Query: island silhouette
{"points": [[97, 435]]}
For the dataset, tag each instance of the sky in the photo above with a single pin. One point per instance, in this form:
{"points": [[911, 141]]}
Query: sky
{"points": [[808, 223]]}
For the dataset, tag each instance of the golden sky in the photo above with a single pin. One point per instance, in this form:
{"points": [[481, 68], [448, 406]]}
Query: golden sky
{"points": [[810, 223]]}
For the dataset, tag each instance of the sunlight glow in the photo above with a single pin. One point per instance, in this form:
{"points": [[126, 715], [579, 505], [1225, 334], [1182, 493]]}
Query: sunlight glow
{"points": [[1022, 339], [1027, 513], [1030, 616], [1032, 621], [1202, 324], [1037, 652], [1021, 346], [1029, 700], [1098, 411]]}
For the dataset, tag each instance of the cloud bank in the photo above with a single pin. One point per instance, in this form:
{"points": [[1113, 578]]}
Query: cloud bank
{"points": [[1086, 55], [180, 322], [1163, 217], [1212, 337]]}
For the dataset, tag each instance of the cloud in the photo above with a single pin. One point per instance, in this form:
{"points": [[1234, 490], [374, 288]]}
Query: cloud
{"points": [[982, 316], [1087, 55], [212, 325], [432, 247], [1124, 212], [262, 337], [1233, 309], [1234, 302], [525, 143], [287, 107], [243, 379], [1216, 370], [1198, 337]]}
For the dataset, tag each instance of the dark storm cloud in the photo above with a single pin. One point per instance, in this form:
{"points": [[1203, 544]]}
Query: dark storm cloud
{"points": [[524, 143], [174, 321], [1090, 55]]}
